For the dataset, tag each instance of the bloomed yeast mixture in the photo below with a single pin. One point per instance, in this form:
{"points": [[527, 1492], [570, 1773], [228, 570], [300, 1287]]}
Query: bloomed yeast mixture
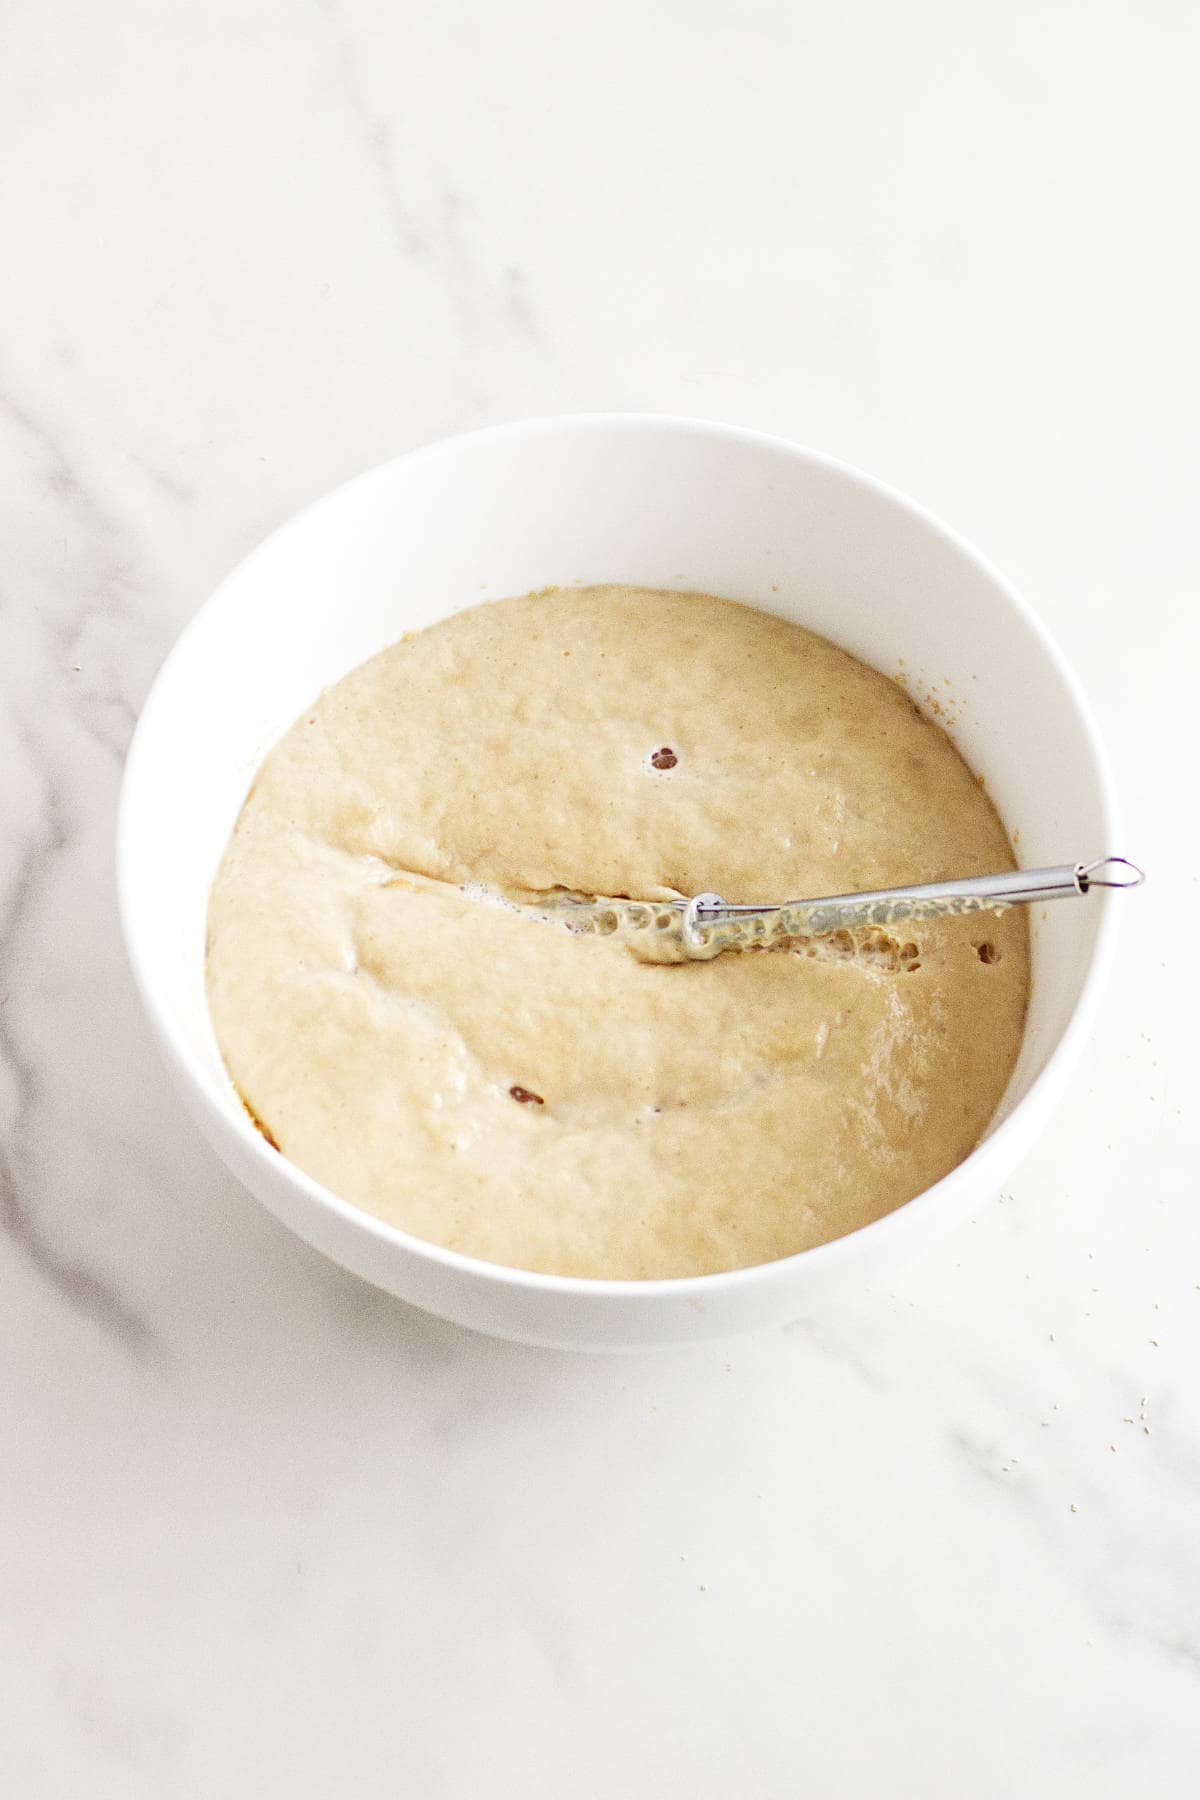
{"points": [[489, 1081]]}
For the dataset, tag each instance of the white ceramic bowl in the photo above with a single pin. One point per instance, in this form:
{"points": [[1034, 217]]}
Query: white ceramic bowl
{"points": [[665, 503]]}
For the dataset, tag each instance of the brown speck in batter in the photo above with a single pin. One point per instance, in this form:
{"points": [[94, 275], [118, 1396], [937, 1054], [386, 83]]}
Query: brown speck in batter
{"points": [[664, 758], [526, 1096], [262, 1130]]}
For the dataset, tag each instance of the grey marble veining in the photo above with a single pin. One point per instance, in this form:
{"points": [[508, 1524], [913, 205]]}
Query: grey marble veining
{"points": [[265, 1532]]}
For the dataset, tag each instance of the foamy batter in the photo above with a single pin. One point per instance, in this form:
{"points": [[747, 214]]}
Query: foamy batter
{"points": [[488, 1081]]}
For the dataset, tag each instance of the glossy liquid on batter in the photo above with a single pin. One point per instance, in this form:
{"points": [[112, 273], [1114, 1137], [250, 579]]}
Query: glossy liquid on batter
{"points": [[484, 1078]]}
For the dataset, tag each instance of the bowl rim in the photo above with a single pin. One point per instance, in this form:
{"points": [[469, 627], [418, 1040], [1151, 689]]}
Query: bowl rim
{"points": [[1007, 1138]]}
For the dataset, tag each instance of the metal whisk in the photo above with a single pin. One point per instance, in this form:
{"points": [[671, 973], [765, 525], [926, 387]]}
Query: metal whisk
{"points": [[701, 928]]}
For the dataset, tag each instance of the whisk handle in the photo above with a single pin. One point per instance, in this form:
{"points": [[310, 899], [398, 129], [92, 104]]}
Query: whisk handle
{"points": [[893, 906]]}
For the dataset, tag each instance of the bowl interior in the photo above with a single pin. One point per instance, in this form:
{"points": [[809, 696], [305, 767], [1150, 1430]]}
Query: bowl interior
{"points": [[655, 502]]}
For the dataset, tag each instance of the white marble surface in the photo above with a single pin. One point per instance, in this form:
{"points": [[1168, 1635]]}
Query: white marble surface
{"points": [[266, 1533]]}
